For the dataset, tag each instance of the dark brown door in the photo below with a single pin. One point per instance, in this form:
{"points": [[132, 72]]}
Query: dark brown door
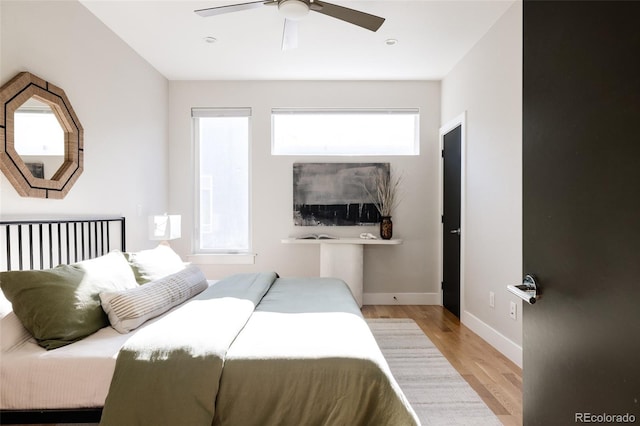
{"points": [[581, 211], [451, 220]]}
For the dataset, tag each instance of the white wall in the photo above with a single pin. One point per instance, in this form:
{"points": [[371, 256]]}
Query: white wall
{"points": [[119, 98], [487, 84], [409, 268]]}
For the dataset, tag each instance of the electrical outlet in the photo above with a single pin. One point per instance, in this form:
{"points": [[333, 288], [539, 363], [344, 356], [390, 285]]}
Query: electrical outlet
{"points": [[492, 299], [513, 311]]}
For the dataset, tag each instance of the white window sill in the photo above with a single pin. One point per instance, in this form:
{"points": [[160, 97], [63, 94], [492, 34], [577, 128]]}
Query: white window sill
{"points": [[223, 259]]}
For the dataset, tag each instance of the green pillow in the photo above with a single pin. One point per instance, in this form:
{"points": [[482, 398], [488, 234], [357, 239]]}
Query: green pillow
{"points": [[62, 305], [153, 264]]}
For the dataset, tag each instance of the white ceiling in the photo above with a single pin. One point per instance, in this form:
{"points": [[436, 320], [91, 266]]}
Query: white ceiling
{"points": [[432, 37]]}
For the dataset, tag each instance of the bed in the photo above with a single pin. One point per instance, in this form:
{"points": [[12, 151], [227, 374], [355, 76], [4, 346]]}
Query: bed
{"points": [[250, 349]]}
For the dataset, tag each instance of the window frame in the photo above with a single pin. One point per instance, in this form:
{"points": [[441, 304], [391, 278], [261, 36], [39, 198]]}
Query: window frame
{"points": [[219, 255], [281, 151]]}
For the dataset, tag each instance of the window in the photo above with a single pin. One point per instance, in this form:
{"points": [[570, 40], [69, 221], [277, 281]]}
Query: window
{"points": [[39, 138], [377, 131], [221, 138]]}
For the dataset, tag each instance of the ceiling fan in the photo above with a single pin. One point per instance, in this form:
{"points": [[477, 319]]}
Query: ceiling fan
{"points": [[294, 10]]}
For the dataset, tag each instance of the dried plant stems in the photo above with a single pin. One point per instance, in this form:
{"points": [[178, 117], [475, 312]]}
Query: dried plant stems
{"points": [[387, 197]]}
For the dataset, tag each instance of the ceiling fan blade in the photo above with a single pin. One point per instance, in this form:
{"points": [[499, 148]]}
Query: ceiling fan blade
{"points": [[290, 34], [219, 10], [356, 17]]}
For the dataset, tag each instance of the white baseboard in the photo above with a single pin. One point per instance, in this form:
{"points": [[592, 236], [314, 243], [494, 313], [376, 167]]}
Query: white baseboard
{"points": [[496, 339], [401, 299]]}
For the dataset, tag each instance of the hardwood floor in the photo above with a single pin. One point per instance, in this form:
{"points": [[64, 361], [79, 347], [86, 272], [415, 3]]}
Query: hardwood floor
{"points": [[495, 378]]}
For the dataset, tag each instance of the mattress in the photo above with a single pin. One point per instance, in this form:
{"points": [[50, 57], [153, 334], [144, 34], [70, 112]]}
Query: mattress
{"points": [[74, 376]]}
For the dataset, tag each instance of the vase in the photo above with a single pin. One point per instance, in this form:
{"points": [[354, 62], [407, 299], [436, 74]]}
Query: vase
{"points": [[386, 228]]}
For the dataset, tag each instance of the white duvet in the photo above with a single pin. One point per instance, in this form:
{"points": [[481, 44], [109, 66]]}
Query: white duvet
{"points": [[73, 376]]}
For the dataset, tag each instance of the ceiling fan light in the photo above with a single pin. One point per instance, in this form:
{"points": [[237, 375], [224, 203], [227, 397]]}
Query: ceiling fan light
{"points": [[293, 9]]}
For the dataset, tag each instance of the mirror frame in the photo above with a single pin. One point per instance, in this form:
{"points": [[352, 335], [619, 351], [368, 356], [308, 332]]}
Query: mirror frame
{"points": [[12, 95]]}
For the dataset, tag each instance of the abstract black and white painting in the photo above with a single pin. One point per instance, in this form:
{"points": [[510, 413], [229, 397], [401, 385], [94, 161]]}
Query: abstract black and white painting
{"points": [[36, 169], [335, 194]]}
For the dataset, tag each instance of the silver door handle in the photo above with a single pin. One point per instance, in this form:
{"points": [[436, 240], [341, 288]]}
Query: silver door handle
{"points": [[455, 231], [529, 291]]}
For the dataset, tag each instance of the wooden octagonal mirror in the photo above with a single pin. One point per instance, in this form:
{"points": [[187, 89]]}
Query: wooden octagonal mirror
{"points": [[42, 138]]}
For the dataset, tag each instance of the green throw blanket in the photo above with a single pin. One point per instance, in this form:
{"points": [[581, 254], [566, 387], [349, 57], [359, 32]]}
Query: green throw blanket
{"points": [[304, 356], [168, 373]]}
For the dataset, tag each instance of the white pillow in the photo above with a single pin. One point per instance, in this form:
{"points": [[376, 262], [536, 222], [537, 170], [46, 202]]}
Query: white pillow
{"points": [[12, 331], [129, 309], [152, 264], [5, 305]]}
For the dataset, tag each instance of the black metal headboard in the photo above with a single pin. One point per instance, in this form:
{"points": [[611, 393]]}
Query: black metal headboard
{"points": [[46, 243]]}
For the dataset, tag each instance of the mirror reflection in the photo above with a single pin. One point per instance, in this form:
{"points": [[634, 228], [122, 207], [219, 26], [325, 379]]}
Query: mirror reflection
{"points": [[39, 138]]}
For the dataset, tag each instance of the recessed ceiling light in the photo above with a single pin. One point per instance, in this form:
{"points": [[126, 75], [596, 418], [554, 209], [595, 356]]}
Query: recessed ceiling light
{"points": [[210, 39], [391, 42]]}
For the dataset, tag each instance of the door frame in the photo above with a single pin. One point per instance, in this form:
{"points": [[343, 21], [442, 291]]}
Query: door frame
{"points": [[460, 120]]}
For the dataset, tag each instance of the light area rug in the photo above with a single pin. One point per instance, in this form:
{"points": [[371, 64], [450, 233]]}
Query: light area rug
{"points": [[437, 392]]}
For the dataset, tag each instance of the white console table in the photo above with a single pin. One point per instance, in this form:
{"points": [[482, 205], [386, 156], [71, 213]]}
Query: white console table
{"points": [[343, 258]]}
